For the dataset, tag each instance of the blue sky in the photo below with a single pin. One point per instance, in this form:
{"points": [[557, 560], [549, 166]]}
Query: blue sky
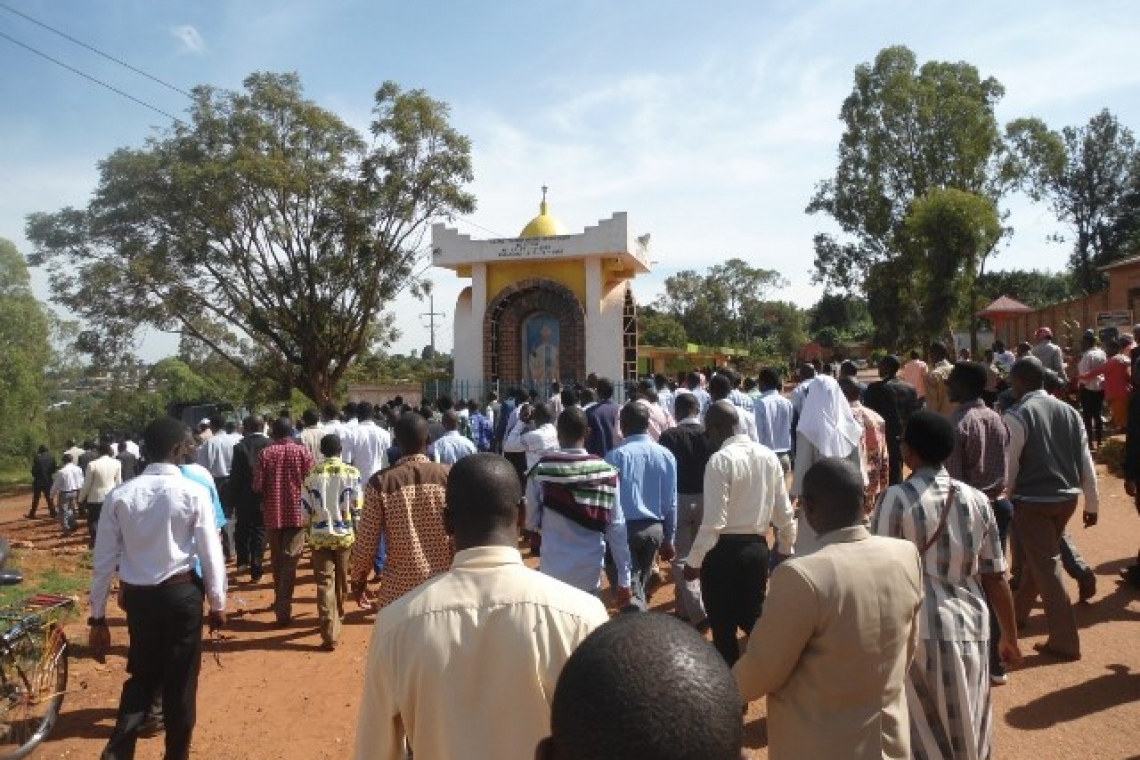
{"points": [[708, 123]]}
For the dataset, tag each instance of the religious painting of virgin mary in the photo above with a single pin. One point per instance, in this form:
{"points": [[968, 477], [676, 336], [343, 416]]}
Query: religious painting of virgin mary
{"points": [[540, 348]]}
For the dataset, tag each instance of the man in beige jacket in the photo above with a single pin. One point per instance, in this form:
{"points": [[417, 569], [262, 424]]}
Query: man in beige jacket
{"points": [[103, 474], [838, 631]]}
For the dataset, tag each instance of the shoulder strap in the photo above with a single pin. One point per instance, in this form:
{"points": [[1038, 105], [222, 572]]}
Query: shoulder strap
{"points": [[945, 516]]}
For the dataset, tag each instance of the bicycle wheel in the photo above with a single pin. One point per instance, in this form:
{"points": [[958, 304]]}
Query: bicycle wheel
{"points": [[34, 680]]}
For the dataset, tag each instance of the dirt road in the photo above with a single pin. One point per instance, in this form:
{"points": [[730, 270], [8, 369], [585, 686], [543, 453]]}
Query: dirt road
{"points": [[275, 695]]}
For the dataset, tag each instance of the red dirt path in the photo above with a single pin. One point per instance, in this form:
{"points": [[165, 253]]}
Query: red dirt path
{"points": [[276, 696]]}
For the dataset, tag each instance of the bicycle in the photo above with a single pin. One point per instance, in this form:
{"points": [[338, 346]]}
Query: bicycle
{"points": [[33, 666]]}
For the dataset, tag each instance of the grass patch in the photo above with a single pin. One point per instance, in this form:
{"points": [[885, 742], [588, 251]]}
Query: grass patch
{"points": [[14, 474], [65, 575]]}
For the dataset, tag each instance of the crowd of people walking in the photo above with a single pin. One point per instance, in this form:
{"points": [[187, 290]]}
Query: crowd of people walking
{"points": [[860, 536]]}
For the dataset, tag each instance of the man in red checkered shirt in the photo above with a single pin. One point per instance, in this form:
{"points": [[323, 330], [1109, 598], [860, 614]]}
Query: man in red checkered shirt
{"points": [[279, 477]]}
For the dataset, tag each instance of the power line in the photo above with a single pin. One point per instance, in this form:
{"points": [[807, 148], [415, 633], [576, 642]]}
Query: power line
{"points": [[87, 76], [95, 50]]}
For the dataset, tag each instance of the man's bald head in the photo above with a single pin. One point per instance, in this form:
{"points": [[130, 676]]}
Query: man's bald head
{"points": [[483, 495], [634, 419], [720, 421], [608, 706], [833, 492], [411, 433]]}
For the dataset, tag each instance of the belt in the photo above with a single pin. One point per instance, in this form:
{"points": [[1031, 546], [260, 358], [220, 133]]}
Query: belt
{"points": [[741, 538], [175, 580]]}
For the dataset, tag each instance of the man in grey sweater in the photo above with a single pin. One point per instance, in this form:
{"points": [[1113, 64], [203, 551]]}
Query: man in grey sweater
{"points": [[1048, 465]]}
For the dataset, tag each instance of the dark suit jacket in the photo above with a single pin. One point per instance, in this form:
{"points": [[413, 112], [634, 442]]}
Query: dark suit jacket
{"points": [[130, 464], [603, 418], [895, 400], [43, 467], [246, 451]]}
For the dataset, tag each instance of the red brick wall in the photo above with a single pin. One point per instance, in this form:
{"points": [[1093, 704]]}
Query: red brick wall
{"points": [[508, 309]]}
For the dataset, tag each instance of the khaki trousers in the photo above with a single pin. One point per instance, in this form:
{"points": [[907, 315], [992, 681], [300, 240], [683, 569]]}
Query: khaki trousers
{"points": [[330, 571], [285, 547], [1039, 528]]}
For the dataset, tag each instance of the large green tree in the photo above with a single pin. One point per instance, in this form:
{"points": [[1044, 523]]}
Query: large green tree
{"points": [[722, 306], [25, 352], [1085, 174], [1030, 286], [264, 227], [909, 130]]}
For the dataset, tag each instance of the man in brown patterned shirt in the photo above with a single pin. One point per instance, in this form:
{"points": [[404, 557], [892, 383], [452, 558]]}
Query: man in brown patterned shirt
{"points": [[404, 502]]}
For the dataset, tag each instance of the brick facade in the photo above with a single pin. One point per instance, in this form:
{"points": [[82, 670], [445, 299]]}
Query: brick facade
{"points": [[502, 325]]}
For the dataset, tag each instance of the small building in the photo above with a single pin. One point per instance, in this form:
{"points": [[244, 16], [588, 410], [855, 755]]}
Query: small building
{"points": [[547, 305]]}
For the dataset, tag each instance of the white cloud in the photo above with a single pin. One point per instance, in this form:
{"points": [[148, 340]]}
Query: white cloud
{"points": [[189, 37]]}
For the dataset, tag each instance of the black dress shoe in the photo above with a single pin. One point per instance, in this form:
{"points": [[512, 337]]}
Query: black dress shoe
{"points": [[1086, 585]]}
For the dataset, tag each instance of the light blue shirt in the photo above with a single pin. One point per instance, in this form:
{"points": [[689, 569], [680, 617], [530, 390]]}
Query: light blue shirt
{"points": [[647, 482], [774, 421], [200, 475], [572, 553], [450, 447]]}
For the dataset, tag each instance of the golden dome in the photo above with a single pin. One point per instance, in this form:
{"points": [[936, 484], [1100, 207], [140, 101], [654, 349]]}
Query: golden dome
{"points": [[543, 225]]}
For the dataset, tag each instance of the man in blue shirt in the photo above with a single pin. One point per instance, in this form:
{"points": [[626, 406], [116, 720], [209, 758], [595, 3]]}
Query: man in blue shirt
{"points": [[572, 499], [774, 418], [648, 495], [482, 434]]}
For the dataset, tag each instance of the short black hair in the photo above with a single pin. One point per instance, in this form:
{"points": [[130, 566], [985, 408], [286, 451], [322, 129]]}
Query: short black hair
{"points": [[685, 405], [720, 386], [769, 378], [67, 458], [330, 411], [605, 388], [310, 417], [254, 423], [850, 388], [449, 420], [411, 431], [543, 413], [930, 436], [572, 424], [1030, 371], [330, 445], [161, 436], [972, 376], [282, 428], [634, 418], [890, 363], [938, 348], [483, 493], [608, 706], [837, 484]]}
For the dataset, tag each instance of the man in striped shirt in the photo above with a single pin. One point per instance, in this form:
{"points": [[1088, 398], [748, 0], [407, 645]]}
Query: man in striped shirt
{"points": [[953, 527], [572, 499]]}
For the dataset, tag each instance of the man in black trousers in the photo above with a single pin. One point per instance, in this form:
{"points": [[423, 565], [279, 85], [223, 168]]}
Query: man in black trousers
{"points": [[249, 533], [895, 400], [43, 468], [151, 531]]}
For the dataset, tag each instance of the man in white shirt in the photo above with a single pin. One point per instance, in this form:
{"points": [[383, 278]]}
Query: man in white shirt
{"points": [[103, 474], [65, 492], [544, 436], [744, 493], [152, 529], [450, 447], [366, 448], [720, 389], [216, 455], [488, 626]]}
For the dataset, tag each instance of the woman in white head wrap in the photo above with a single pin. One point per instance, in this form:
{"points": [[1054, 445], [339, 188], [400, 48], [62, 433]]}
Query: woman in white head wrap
{"points": [[826, 429]]}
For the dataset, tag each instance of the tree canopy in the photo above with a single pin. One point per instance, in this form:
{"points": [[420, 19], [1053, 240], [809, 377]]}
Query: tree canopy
{"points": [[912, 135], [1089, 177], [25, 334], [729, 305], [264, 228]]}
